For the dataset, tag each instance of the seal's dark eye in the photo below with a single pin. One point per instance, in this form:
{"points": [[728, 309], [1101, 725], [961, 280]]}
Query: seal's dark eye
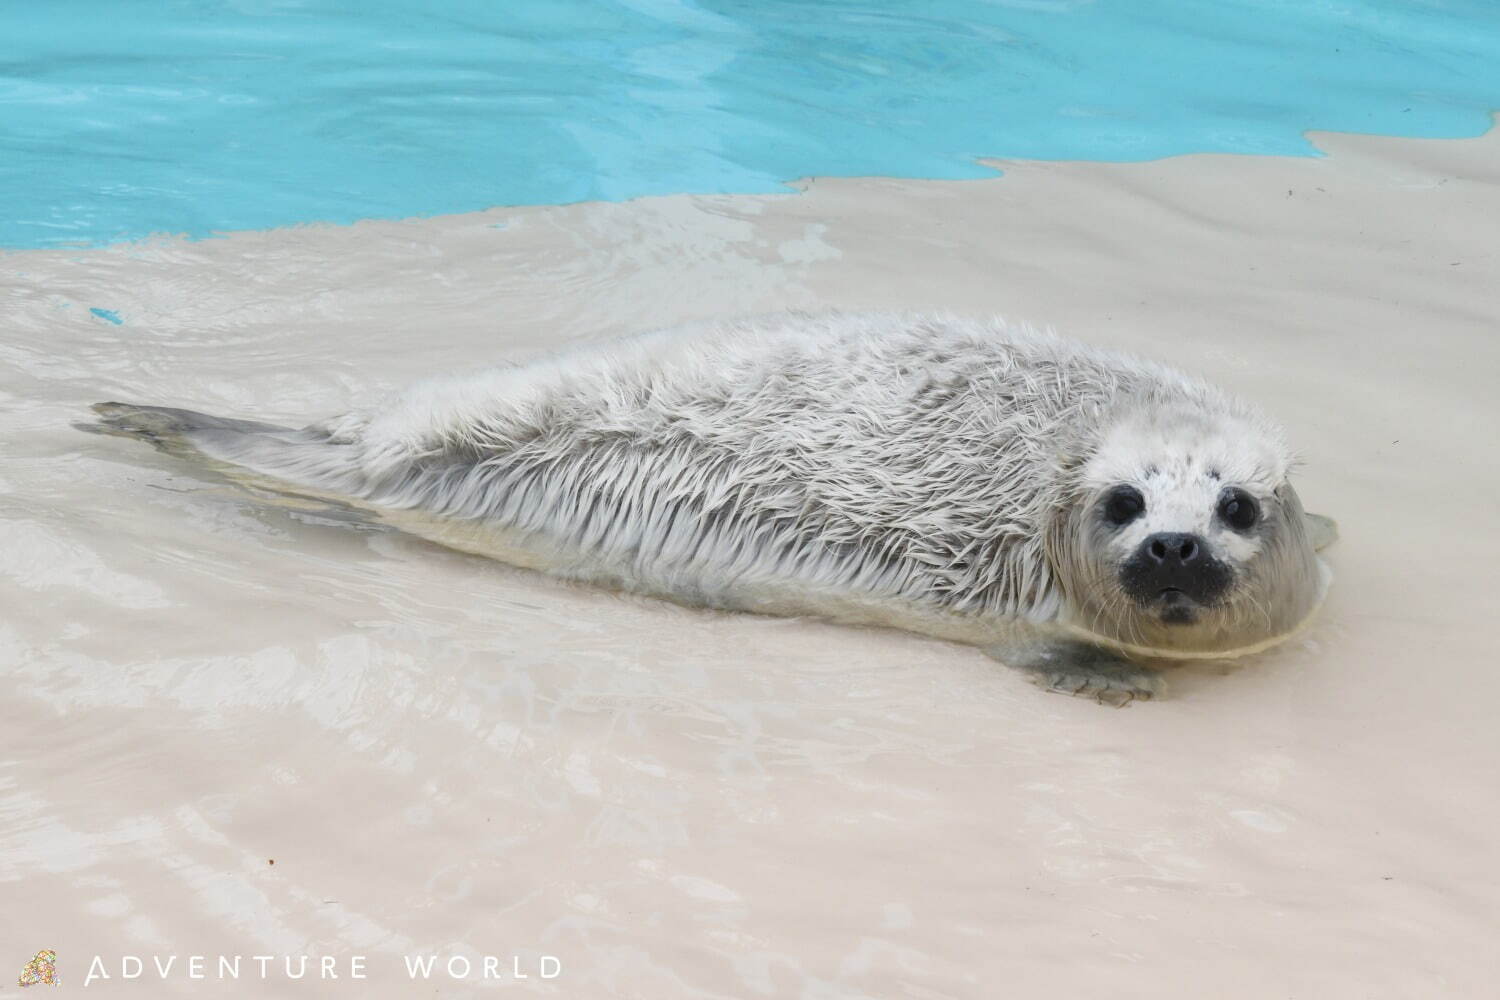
{"points": [[1123, 505], [1239, 509]]}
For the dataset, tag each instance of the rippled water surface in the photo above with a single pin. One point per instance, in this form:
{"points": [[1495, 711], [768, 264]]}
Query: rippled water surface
{"points": [[196, 116]]}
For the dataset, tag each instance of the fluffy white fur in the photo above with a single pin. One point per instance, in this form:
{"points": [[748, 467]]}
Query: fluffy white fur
{"points": [[923, 470]]}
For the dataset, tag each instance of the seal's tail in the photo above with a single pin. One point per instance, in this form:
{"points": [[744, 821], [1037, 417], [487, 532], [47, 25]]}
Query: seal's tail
{"points": [[307, 457]]}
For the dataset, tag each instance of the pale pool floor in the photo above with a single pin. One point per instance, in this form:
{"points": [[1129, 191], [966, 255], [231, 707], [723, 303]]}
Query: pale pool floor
{"points": [[444, 755]]}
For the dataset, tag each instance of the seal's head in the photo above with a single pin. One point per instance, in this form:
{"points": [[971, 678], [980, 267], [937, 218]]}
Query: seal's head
{"points": [[1180, 535]]}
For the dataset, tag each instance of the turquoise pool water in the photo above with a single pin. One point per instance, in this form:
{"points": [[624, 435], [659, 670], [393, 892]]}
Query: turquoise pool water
{"points": [[132, 117]]}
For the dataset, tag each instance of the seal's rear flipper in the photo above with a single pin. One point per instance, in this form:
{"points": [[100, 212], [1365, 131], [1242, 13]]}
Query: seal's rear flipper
{"points": [[1321, 531], [167, 427], [306, 457]]}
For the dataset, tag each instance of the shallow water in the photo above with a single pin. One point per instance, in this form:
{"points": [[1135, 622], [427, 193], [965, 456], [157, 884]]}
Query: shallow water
{"points": [[443, 755], [198, 116]]}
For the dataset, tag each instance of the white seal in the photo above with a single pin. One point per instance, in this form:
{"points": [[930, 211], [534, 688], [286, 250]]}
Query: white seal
{"points": [[1070, 509]]}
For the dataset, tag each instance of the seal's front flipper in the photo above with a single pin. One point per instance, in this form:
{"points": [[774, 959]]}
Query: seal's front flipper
{"points": [[1070, 666], [1321, 531]]}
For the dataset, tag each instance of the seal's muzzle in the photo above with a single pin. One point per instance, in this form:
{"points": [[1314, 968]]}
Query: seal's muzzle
{"points": [[1175, 573]]}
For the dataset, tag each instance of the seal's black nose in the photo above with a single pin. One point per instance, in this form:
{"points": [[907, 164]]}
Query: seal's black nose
{"points": [[1176, 569], [1169, 549]]}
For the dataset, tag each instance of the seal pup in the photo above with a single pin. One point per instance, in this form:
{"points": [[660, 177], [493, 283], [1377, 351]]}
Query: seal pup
{"points": [[1070, 510]]}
